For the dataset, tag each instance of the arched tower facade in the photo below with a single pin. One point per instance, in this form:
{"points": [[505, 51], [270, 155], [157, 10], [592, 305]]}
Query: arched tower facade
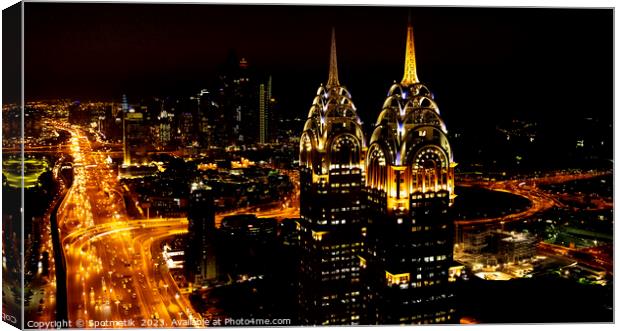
{"points": [[331, 157], [410, 185]]}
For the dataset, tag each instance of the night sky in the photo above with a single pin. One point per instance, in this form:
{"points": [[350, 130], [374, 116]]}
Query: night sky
{"points": [[482, 64]]}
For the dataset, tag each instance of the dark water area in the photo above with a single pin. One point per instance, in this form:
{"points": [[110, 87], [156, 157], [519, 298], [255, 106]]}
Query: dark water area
{"points": [[474, 202]]}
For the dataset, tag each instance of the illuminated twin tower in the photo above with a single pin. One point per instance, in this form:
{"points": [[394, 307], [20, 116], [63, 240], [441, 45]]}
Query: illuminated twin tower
{"points": [[376, 236]]}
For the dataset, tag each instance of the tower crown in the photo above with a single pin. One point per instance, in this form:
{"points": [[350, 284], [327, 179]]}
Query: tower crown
{"points": [[411, 75], [333, 64], [332, 126], [409, 142]]}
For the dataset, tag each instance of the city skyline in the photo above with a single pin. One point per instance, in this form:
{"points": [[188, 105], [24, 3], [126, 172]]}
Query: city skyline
{"points": [[308, 165], [524, 72], [104, 50]]}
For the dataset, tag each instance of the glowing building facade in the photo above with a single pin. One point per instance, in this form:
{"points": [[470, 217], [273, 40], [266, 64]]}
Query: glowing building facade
{"points": [[410, 185], [331, 175]]}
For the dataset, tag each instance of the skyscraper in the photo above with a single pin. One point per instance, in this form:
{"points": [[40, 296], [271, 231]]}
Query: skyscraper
{"points": [[136, 133], [236, 103], [331, 175], [410, 185], [205, 104], [200, 249], [124, 111], [264, 108]]}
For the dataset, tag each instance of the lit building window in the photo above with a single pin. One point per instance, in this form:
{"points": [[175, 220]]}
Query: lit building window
{"points": [[396, 279]]}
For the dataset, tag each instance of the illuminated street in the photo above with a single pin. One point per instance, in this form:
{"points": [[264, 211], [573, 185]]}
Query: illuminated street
{"points": [[540, 200], [111, 259], [108, 257]]}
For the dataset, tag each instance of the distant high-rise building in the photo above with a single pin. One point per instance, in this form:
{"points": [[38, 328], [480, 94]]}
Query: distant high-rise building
{"points": [[410, 184], [186, 112], [236, 97], [164, 127], [265, 114], [136, 138], [331, 175], [213, 126], [204, 126], [238, 109], [200, 261], [107, 122], [124, 110], [186, 127], [245, 103]]}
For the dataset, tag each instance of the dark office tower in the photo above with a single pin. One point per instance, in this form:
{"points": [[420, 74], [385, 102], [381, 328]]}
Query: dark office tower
{"points": [[212, 127], [237, 98], [331, 175], [185, 111], [200, 263], [186, 127], [410, 185], [246, 102], [264, 112], [204, 126], [213, 110], [107, 123]]}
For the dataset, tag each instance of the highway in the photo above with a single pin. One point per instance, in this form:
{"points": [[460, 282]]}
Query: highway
{"points": [[131, 285], [115, 270], [110, 267], [540, 200], [289, 208]]}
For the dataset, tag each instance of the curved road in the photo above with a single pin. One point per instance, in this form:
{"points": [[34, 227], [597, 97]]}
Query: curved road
{"points": [[540, 200]]}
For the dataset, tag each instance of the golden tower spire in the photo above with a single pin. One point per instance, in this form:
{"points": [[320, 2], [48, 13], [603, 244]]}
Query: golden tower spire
{"points": [[411, 75], [333, 64]]}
